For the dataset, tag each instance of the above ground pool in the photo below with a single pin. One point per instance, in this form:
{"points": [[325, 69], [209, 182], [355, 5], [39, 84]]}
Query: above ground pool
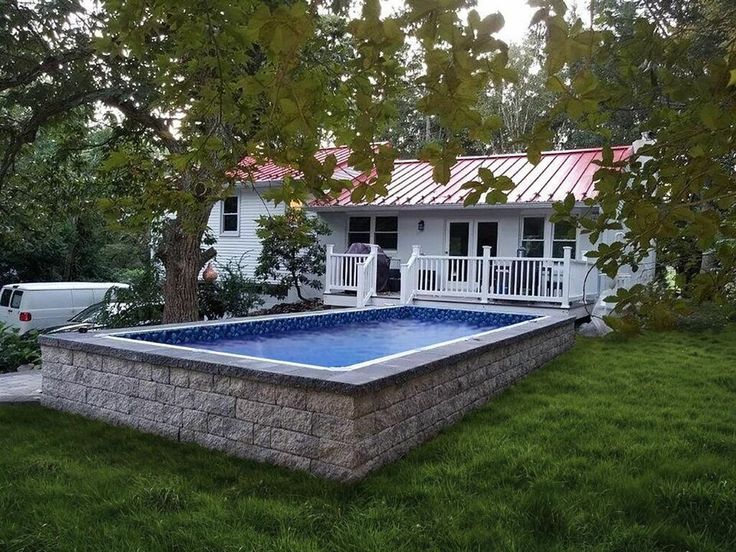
{"points": [[334, 340], [334, 393]]}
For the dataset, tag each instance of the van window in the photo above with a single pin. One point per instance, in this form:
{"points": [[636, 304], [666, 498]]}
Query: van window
{"points": [[5, 297], [15, 301]]}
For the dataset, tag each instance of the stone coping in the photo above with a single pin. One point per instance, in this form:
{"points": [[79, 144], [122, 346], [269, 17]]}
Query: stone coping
{"points": [[356, 381]]}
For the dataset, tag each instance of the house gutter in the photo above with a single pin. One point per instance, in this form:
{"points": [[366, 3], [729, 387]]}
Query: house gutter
{"points": [[430, 207]]}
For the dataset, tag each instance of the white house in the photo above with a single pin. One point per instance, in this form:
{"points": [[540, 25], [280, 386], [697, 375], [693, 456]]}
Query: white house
{"points": [[509, 253], [233, 222]]}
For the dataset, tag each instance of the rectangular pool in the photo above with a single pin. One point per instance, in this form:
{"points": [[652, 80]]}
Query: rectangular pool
{"points": [[335, 340], [337, 394]]}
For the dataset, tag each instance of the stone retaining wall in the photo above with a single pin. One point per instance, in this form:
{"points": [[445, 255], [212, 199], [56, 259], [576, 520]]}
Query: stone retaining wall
{"points": [[339, 433]]}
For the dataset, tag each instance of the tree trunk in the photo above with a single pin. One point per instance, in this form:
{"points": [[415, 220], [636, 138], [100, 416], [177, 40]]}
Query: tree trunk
{"points": [[71, 253], [181, 263], [182, 257], [295, 279]]}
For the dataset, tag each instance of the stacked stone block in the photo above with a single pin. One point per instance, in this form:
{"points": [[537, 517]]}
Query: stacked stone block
{"points": [[339, 433]]}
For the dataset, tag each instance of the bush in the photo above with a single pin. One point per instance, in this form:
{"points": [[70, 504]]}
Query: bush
{"points": [[707, 316], [651, 306], [141, 304], [292, 256], [233, 294], [16, 349]]}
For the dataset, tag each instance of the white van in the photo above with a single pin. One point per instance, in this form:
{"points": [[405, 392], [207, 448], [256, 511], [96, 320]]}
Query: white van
{"points": [[43, 305]]}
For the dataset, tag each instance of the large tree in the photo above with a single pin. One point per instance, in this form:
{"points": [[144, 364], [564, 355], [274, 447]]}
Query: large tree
{"points": [[53, 224], [192, 87], [44, 73], [670, 67]]}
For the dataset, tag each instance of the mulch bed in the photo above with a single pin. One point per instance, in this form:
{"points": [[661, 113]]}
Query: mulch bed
{"points": [[288, 308]]}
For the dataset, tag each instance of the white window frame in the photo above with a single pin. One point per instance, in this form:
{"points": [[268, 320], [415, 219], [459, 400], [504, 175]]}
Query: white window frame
{"points": [[543, 239], [372, 229], [235, 232]]}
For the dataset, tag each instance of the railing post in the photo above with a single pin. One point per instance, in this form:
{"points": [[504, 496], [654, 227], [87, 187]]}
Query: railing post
{"points": [[373, 259], [404, 292], [328, 267], [566, 273], [408, 276], [485, 274], [360, 292]]}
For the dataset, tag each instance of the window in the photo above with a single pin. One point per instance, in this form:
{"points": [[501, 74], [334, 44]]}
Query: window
{"points": [[532, 236], [359, 230], [5, 297], [15, 301], [383, 231], [230, 216], [565, 235], [387, 232]]}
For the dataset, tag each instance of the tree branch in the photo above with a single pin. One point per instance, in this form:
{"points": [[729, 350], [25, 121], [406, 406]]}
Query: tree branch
{"points": [[207, 255], [144, 118], [49, 65], [28, 130]]}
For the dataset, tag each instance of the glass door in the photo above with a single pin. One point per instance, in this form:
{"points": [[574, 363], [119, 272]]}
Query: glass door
{"points": [[458, 239], [487, 234], [458, 245]]}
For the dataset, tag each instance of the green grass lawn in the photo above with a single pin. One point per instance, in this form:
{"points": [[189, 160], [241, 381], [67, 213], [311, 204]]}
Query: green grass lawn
{"points": [[617, 445]]}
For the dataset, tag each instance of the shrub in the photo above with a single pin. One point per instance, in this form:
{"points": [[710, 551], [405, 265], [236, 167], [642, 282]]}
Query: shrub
{"points": [[141, 304], [17, 349], [292, 256], [651, 306], [707, 316], [232, 294]]}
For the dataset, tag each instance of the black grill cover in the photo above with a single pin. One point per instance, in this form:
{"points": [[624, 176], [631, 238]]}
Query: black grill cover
{"points": [[382, 266]]}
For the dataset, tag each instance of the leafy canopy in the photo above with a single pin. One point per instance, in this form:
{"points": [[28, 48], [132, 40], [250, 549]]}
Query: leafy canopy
{"points": [[673, 66]]}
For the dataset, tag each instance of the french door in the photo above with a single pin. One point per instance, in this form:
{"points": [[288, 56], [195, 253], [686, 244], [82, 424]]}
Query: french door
{"points": [[486, 233], [466, 236], [464, 239]]}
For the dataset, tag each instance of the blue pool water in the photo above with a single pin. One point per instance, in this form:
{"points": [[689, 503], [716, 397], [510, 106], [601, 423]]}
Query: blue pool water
{"points": [[335, 340]]}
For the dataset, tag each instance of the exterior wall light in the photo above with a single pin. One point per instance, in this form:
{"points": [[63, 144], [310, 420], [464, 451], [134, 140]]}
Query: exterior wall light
{"points": [[420, 226]]}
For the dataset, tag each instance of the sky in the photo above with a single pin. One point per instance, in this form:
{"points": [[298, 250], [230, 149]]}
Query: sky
{"points": [[516, 13]]}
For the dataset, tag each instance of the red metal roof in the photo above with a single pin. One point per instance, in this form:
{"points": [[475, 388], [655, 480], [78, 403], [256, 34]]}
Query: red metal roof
{"points": [[556, 175], [270, 171]]}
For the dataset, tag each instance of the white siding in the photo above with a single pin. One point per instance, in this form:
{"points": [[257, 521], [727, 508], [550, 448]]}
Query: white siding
{"points": [[433, 239], [245, 244]]}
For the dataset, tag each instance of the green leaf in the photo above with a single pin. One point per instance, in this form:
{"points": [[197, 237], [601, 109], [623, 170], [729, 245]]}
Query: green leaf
{"points": [[709, 115], [696, 151], [115, 160]]}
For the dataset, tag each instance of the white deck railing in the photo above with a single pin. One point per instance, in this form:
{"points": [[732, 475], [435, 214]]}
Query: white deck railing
{"points": [[486, 278], [352, 272]]}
